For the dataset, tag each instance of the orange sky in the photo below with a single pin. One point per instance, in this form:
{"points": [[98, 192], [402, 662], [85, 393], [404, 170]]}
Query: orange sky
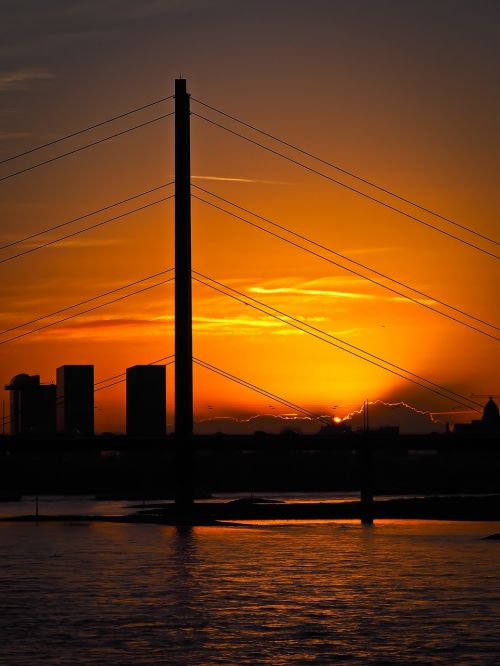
{"points": [[405, 109]]}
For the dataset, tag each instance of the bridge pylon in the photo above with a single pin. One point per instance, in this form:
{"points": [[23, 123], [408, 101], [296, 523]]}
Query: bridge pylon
{"points": [[183, 302]]}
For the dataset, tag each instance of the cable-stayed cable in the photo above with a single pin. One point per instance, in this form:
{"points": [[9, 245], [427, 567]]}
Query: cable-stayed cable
{"points": [[300, 325], [83, 217], [342, 256], [349, 187], [87, 300], [7, 420], [350, 270], [86, 129], [348, 173], [78, 314], [120, 381], [121, 374], [81, 231], [88, 145], [218, 371], [260, 390], [333, 337]]}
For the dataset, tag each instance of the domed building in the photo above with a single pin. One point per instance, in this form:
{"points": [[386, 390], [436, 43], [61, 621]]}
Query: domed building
{"points": [[489, 424], [491, 414], [32, 406]]}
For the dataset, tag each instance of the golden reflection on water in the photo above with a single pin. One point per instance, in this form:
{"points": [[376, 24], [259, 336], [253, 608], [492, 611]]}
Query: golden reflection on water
{"points": [[258, 593]]}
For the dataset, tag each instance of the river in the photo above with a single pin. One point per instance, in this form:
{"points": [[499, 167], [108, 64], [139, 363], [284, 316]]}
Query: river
{"points": [[401, 592]]}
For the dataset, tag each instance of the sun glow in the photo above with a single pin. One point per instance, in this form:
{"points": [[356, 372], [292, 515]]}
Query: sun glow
{"points": [[319, 291]]}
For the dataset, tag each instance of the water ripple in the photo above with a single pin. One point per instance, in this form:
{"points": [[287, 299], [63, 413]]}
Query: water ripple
{"points": [[415, 593]]}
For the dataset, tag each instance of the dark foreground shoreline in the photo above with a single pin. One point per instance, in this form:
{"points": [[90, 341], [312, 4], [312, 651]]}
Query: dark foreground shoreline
{"points": [[476, 508]]}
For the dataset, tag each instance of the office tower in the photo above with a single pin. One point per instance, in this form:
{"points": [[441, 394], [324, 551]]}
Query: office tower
{"points": [[146, 401], [75, 400], [32, 406]]}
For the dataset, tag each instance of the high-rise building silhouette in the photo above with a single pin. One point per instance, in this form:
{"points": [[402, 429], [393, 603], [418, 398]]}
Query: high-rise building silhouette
{"points": [[75, 399], [32, 406], [146, 401]]}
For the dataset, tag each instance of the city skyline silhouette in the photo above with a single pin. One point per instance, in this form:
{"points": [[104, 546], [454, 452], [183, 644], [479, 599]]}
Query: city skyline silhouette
{"points": [[249, 327], [34, 405], [359, 288]]}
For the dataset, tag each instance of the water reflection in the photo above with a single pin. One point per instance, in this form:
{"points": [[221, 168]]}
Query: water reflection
{"points": [[401, 592]]}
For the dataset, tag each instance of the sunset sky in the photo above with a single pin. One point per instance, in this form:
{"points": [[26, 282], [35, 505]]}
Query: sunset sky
{"points": [[402, 93]]}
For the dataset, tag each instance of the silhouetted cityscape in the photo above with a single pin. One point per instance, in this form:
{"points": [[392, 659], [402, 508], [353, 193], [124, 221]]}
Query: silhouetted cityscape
{"points": [[67, 407], [247, 332]]}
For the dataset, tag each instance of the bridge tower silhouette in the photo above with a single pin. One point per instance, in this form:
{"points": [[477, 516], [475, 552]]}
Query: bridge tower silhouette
{"points": [[183, 302], [184, 359]]}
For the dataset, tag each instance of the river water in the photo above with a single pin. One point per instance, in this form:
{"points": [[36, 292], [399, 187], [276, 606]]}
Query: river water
{"points": [[412, 592]]}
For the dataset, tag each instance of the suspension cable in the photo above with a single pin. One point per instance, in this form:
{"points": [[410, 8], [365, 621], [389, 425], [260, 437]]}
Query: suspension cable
{"points": [[350, 270], [120, 381], [348, 187], [333, 337], [78, 314], [86, 129], [88, 145], [262, 391], [342, 256], [87, 300], [287, 317], [83, 217], [346, 172], [81, 231], [122, 374]]}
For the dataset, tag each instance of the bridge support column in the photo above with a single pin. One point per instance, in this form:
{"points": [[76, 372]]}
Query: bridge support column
{"points": [[183, 304], [366, 483]]}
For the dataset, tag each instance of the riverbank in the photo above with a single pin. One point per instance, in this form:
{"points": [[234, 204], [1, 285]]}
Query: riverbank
{"points": [[459, 508]]}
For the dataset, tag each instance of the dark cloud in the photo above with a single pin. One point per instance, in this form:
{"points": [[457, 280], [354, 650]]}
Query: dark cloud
{"points": [[109, 323], [260, 423], [406, 417]]}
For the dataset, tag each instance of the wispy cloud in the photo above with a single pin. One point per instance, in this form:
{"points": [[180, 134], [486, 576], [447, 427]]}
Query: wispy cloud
{"points": [[287, 331], [244, 325], [12, 136], [334, 282], [402, 299], [236, 321], [240, 180], [21, 78], [89, 242], [75, 243], [133, 326], [311, 292], [370, 250], [306, 290], [122, 328], [240, 324], [111, 323]]}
